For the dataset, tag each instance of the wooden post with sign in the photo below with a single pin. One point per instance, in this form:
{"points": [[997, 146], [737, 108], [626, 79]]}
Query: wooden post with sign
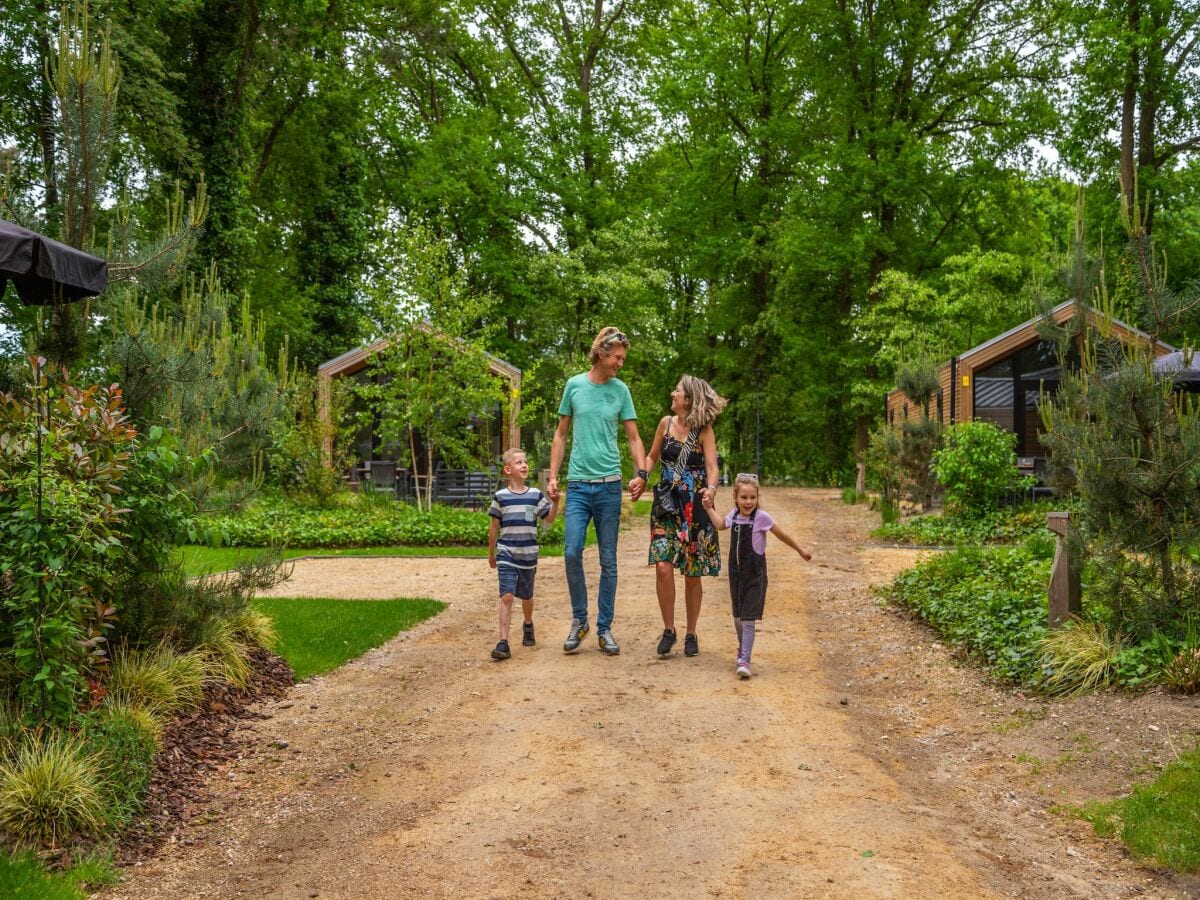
{"points": [[1065, 589]]}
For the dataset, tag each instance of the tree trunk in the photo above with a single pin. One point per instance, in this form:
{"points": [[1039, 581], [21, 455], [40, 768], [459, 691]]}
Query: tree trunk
{"points": [[1128, 111]]}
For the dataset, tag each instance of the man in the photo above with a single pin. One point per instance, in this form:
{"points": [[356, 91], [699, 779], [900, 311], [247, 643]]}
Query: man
{"points": [[594, 403]]}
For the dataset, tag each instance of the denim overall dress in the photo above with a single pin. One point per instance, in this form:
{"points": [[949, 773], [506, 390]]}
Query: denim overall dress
{"points": [[747, 572]]}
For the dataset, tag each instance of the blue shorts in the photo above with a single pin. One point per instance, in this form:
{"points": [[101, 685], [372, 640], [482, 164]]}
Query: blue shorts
{"points": [[518, 582]]}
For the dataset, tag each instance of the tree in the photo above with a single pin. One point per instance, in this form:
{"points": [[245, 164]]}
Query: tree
{"points": [[85, 77], [432, 379], [1132, 444], [920, 438], [1137, 73]]}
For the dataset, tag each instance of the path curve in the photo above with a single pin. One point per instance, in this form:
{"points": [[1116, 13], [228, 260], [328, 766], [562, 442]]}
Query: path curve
{"points": [[425, 769]]}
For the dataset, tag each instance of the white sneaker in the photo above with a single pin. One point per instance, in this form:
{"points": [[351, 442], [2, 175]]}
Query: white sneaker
{"points": [[743, 670]]}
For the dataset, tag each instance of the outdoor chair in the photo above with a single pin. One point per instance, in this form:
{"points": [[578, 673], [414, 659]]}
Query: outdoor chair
{"points": [[381, 475]]}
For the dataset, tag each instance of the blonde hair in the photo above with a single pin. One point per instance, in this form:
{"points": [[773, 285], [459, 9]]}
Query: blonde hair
{"points": [[704, 404], [507, 457], [609, 335]]}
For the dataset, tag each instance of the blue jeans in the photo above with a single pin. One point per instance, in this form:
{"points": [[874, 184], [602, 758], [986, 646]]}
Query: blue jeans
{"points": [[601, 504]]}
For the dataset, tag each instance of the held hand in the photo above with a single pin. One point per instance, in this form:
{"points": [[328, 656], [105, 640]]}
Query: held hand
{"points": [[636, 487], [552, 489], [707, 496]]}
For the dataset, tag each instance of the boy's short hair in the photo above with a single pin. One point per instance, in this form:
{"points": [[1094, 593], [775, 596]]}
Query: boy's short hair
{"points": [[507, 457]]}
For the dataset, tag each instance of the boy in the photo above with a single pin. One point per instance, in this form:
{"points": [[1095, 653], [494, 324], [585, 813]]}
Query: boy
{"points": [[512, 544]]}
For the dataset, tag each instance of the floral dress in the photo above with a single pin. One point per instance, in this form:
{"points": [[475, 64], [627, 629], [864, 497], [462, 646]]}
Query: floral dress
{"points": [[687, 540]]}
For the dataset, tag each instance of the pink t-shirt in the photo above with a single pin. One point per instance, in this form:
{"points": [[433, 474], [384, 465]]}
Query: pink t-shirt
{"points": [[762, 524]]}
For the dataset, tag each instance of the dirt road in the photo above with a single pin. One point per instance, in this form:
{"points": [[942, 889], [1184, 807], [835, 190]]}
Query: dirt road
{"points": [[859, 761]]}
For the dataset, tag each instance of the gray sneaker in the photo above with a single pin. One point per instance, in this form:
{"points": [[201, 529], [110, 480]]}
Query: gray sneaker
{"points": [[608, 643], [579, 630]]}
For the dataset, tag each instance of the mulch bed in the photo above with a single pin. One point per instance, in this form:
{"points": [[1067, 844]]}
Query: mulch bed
{"points": [[193, 747]]}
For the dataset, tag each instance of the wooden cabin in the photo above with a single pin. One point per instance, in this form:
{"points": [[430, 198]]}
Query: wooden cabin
{"points": [[356, 363], [1002, 380]]}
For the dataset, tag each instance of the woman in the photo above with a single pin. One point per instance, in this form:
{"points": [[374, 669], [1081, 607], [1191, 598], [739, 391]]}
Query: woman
{"points": [[681, 535]]}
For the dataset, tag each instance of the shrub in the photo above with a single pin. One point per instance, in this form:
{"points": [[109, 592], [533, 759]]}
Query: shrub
{"points": [[989, 602], [999, 526], [883, 464], [124, 746], [226, 654], [976, 466], [160, 680], [1183, 672], [297, 455], [50, 791], [255, 627], [1080, 656], [63, 451], [276, 523], [175, 608]]}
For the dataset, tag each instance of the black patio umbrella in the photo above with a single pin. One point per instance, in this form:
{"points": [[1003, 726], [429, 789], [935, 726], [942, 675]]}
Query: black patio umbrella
{"points": [[44, 271]]}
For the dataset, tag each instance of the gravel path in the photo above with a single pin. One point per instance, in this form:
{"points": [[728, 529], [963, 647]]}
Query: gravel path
{"points": [[859, 761]]}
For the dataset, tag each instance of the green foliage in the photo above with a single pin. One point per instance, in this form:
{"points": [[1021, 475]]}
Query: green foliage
{"points": [[988, 602], [977, 466], [50, 792], [298, 437], [883, 462], [201, 371], [1133, 446], [433, 380], [59, 532], [195, 560], [160, 680], [1182, 672], [1081, 656], [124, 748], [920, 437], [22, 877], [317, 635], [1160, 821], [277, 523], [225, 651], [999, 526]]}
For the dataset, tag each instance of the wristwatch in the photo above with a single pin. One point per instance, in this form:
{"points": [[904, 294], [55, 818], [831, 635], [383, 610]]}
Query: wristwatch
{"points": [[643, 474]]}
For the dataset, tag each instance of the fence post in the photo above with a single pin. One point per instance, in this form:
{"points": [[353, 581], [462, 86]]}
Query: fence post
{"points": [[1064, 576]]}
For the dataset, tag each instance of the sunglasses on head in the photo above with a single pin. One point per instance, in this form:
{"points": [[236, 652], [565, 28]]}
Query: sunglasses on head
{"points": [[614, 338], [750, 476]]}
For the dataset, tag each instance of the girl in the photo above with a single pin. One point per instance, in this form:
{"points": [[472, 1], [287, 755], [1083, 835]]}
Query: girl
{"points": [[748, 562], [682, 536]]}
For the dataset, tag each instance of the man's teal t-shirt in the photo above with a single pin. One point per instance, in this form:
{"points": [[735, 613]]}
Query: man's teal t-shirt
{"points": [[596, 411]]}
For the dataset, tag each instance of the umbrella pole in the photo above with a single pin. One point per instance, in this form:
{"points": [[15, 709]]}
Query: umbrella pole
{"points": [[37, 399]]}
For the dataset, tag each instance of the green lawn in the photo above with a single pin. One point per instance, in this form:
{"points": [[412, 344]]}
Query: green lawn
{"points": [[318, 634], [198, 560], [22, 877], [1159, 821]]}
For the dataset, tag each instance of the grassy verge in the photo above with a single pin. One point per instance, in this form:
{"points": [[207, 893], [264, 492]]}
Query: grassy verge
{"points": [[319, 634], [22, 877], [198, 560], [1159, 821]]}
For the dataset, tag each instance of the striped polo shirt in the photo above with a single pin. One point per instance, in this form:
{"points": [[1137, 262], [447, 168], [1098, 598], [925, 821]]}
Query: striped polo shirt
{"points": [[518, 513]]}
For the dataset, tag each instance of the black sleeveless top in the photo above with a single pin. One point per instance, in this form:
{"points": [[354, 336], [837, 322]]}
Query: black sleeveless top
{"points": [[672, 447]]}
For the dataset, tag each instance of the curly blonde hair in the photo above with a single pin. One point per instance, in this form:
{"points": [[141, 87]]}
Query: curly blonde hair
{"points": [[609, 336], [704, 404]]}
